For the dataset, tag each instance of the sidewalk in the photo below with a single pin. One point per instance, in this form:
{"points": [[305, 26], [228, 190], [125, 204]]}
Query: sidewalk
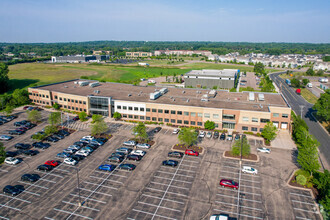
{"points": [[283, 140]]}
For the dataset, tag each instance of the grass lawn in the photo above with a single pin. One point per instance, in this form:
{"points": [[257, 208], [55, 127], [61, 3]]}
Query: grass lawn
{"points": [[310, 97]]}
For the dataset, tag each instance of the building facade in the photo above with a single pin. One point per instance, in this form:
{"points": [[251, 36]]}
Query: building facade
{"points": [[177, 106], [79, 59], [138, 54]]}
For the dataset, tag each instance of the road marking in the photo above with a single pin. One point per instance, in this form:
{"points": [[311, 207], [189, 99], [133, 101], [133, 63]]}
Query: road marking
{"points": [[305, 210], [303, 218], [190, 161], [36, 194], [86, 207], [159, 171], [43, 187], [51, 181], [226, 203], [308, 203], [119, 175], [95, 191], [156, 197], [240, 206], [110, 187], [148, 213], [179, 194], [254, 187], [252, 181], [301, 195], [218, 210], [51, 174], [181, 181], [6, 171], [232, 190], [4, 217], [171, 186], [95, 200], [163, 207], [229, 172], [67, 212], [106, 180], [48, 218], [230, 163], [3, 205], [171, 168], [23, 200], [63, 170], [186, 165]]}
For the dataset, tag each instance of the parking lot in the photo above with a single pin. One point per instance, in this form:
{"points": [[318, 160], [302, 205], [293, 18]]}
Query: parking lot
{"points": [[190, 190]]}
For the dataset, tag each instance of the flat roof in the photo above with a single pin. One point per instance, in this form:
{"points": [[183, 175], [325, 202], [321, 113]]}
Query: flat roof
{"points": [[174, 96], [217, 73]]}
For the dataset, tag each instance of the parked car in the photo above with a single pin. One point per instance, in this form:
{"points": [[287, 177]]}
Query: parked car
{"points": [[176, 131], [104, 140], [61, 137], [22, 146], [90, 138], [69, 151], [201, 134], [45, 167], [41, 145], [82, 153], [228, 183], [89, 149], [247, 169], [13, 190], [63, 132], [219, 217], [96, 142], [134, 157], [237, 137], [5, 137], [30, 152], [76, 118], [107, 167], [129, 143], [175, 154], [172, 163], [138, 152], [26, 107], [80, 144], [52, 163], [11, 153], [30, 177], [119, 154], [191, 152], [157, 129], [216, 135], [63, 155], [263, 150], [229, 137], [209, 134], [74, 147], [11, 160], [223, 136], [144, 146], [124, 150], [15, 132], [116, 159], [77, 157], [70, 161], [127, 166], [52, 139]]}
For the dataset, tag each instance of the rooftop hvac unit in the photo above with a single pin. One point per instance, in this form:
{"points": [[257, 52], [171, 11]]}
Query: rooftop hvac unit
{"points": [[164, 90], [261, 97], [97, 91], [251, 96], [204, 99], [83, 83], [212, 93], [155, 95], [94, 84]]}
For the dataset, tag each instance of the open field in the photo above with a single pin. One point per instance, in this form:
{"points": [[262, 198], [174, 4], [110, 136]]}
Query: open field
{"points": [[310, 97]]}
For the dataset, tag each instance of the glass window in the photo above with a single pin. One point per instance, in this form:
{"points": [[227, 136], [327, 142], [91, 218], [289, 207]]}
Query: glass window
{"points": [[136, 108], [245, 118], [60, 98], [200, 115], [261, 129], [84, 102], [76, 101], [166, 111], [160, 110], [43, 96], [142, 117], [68, 100], [254, 129], [80, 102], [125, 107], [179, 112], [215, 115], [179, 121], [186, 122], [142, 109], [118, 107], [80, 109], [148, 109], [84, 110], [206, 115], [124, 116], [275, 115], [69, 107], [255, 120], [244, 128], [76, 108], [167, 120], [64, 99], [160, 119], [263, 120], [130, 116], [193, 114], [285, 115], [230, 117], [65, 106], [154, 118], [200, 123], [56, 97], [172, 120], [154, 110], [47, 96], [172, 112], [186, 113], [136, 117], [130, 108], [193, 123], [148, 118], [216, 125]]}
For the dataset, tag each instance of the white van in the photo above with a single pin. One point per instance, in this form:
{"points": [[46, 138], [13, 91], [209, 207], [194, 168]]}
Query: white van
{"points": [[309, 85]]}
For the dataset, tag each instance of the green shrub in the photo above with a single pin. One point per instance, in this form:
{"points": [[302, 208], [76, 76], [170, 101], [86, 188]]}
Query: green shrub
{"points": [[248, 132], [302, 172], [236, 151], [301, 180], [309, 185]]}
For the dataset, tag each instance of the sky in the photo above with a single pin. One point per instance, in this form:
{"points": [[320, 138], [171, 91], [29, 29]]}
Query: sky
{"points": [[32, 21]]}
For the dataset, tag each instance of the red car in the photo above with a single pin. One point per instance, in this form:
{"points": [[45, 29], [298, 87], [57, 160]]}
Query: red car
{"points": [[76, 118], [26, 107], [191, 153], [228, 183], [52, 163]]}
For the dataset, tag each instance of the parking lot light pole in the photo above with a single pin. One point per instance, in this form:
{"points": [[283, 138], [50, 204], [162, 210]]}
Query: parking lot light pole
{"points": [[79, 203], [239, 180]]}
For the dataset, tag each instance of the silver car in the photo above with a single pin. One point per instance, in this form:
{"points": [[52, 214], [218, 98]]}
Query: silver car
{"points": [[130, 143], [145, 146]]}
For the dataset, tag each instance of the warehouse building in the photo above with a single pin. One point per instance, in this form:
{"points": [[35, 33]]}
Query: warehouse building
{"points": [[221, 79], [138, 54], [176, 106], [79, 59]]}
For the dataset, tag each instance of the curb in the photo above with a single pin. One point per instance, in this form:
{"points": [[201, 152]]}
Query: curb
{"points": [[255, 161]]}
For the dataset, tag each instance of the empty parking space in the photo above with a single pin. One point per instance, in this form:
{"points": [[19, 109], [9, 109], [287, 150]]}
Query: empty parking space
{"points": [[303, 204]]}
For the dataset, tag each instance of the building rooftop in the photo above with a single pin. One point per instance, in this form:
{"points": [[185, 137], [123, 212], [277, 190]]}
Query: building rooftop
{"points": [[174, 96], [216, 73]]}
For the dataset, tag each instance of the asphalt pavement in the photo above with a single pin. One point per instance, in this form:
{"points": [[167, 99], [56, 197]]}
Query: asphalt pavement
{"points": [[301, 107]]}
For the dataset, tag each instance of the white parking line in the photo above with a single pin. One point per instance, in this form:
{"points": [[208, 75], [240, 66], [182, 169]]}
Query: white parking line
{"points": [[308, 203], [235, 168], [171, 185], [63, 170], [51, 174], [191, 161], [252, 181], [95, 200], [6, 171], [175, 174], [181, 181], [156, 197], [67, 212], [119, 175], [23, 200], [106, 180], [253, 187], [36, 194], [186, 165], [229, 172], [304, 210], [296, 194], [247, 207], [166, 131], [43, 187], [148, 213], [229, 162], [179, 194], [163, 207], [110, 187], [3, 205], [4, 217], [298, 217], [223, 188], [235, 197], [226, 203], [171, 168], [86, 207], [48, 218], [95, 191], [51, 181], [249, 216]]}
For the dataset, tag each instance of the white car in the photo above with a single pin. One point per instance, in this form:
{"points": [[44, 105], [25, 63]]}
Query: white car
{"points": [[219, 217], [69, 150], [145, 146], [74, 147], [11, 160], [138, 152], [209, 134], [5, 137], [263, 150], [229, 137], [84, 153], [201, 134], [251, 170], [130, 143], [90, 138], [176, 131], [70, 161]]}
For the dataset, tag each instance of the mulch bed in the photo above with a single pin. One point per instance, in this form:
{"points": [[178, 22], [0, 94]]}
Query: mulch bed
{"points": [[107, 136], [249, 157], [183, 148], [295, 184]]}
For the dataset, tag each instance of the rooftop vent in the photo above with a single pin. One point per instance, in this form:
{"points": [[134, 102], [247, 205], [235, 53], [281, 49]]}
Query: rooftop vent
{"points": [[129, 95], [66, 87], [261, 97], [187, 100], [183, 92], [97, 91], [251, 96]]}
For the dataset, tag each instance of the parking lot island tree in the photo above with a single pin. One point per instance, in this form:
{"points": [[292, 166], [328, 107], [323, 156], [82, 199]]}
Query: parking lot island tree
{"points": [[269, 132], [140, 131], [308, 154], [209, 125], [241, 144], [99, 127], [9, 109], [2, 153], [96, 118], [54, 118], [116, 115], [82, 116], [187, 136], [34, 116], [322, 106], [50, 129]]}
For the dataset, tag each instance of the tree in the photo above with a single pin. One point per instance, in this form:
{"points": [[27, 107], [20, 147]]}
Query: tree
{"points": [[301, 179], [187, 136], [269, 132], [56, 106], [209, 125], [99, 127], [34, 116], [2, 153], [242, 143], [322, 182], [308, 154], [96, 118], [140, 131], [322, 106], [82, 116], [295, 83], [20, 97], [9, 109], [50, 129], [116, 115], [259, 68], [320, 73], [310, 72], [305, 81], [54, 118], [4, 79]]}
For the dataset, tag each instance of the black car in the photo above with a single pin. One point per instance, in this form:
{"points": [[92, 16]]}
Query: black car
{"points": [[175, 154], [101, 139], [15, 132], [157, 129], [30, 152], [22, 146], [45, 167], [237, 137], [93, 146], [41, 145], [127, 166], [11, 153], [80, 144], [13, 190], [119, 154], [172, 163], [77, 157], [58, 136], [1, 122], [21, 123], [216, 135], [30, 177], [30, 125], [116, 159], [223, 136], [63, 132], [134, 157], [52, 139]]}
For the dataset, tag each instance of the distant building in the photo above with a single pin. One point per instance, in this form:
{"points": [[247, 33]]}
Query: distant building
{"points": [[321, 66], [138, 54], [79, 59], [183, 52], [100, 52], [324, 86], [222, 79]]}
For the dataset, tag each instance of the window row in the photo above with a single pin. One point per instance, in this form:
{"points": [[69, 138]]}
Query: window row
{"points": [[254, 129], [130, 108], [41, 102], [39, 95], [71, 100], [276, 115], [72, 108]]}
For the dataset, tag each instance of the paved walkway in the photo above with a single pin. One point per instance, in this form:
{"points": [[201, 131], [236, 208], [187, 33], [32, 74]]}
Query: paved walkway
{"points": [[283, 140]]}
